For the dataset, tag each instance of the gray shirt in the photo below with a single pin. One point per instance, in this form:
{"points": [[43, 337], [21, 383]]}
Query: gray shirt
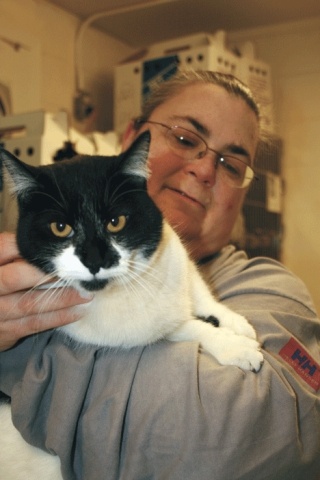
{"points": [[170, 411]]}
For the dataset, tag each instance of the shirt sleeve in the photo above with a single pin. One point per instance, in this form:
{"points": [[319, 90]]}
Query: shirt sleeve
{"points": [[169, 410]]}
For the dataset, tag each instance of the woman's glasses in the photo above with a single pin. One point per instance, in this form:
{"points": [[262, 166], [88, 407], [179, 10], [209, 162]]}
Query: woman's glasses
{"points": [[190, 146]]}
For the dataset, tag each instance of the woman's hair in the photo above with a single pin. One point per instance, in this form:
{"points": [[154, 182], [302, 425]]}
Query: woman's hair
{"points": [[167, 89]]}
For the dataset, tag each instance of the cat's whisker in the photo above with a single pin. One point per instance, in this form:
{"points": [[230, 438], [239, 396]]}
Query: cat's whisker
{"points": [[46, 289], [115, 191], [41, 299], [131, 288], [59, 190], [113, 196], [136, 279], [49, 196], [145, 278], [47, 294], [140, 267], [135, 190], [44, 280]]}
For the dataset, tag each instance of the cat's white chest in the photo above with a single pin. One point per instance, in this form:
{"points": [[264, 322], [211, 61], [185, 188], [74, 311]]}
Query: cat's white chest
{"points": [[133, 315], [144, 305], [165, 299]]}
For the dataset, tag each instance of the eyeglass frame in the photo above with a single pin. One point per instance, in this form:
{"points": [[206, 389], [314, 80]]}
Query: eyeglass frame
{"points": [[220, 158]]}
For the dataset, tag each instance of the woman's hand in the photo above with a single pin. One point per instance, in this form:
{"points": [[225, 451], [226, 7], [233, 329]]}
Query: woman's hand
{"points": [[23, 312]]}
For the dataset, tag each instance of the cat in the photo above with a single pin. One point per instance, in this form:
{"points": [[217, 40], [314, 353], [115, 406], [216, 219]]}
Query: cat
{"points": [[90, 223]]}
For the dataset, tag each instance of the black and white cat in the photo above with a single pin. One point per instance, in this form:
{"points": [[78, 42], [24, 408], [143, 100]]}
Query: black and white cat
{"points": [[90, 222]]}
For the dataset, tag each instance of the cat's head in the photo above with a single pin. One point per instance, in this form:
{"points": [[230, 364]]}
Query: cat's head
{"points": [[88, 220]]}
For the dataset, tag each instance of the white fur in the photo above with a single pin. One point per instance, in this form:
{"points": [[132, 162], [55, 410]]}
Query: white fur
{"points": [[148, 300], [138, 165], [145, 301], [18, 182], [18, 459]]}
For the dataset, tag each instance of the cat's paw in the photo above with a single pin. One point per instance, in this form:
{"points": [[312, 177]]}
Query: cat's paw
{"points": [[237, 350], [238, 324]]}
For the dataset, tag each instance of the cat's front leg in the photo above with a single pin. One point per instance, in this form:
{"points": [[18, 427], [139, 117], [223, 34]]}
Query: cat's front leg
{"points": [[206, 306], [227, 318], [224, 344]]}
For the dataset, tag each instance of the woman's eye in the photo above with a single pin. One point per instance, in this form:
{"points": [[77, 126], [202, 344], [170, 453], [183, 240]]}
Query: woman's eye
{"points": [[60, 229], [232, 166], [184, 140], [116, 224]]}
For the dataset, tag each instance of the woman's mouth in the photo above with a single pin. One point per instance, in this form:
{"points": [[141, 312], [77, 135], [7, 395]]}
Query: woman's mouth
{"points": [[187, 197]]}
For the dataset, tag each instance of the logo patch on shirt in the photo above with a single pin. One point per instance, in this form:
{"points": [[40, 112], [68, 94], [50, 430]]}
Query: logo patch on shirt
{"points": [[305, 366]]}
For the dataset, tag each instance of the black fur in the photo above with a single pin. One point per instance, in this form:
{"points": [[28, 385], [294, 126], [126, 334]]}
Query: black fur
{"points": [[86, 192]]}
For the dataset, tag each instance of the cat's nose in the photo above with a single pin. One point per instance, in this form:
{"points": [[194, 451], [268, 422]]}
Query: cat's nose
{"points": [[94, 269], [93, 263], [94, 259]]}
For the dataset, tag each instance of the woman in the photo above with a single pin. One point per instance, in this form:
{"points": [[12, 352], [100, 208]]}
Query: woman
{"points": [[168, 411]]}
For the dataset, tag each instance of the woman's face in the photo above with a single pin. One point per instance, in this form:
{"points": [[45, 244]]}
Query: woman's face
{"points": [[200, 207]]}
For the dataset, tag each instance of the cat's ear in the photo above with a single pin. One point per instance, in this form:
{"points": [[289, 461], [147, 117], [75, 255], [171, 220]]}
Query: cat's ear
{"points": [[18, 174], [136, 156]]}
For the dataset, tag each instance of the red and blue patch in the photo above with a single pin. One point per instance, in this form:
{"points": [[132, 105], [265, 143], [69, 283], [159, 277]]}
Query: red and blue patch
{"points": [[305, 366]]}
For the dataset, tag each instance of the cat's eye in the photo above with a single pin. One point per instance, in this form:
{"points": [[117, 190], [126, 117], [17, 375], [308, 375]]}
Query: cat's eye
{"points": [[60, 229], [116, 224]]}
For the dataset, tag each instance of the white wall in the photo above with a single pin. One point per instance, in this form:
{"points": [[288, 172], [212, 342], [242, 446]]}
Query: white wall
{"points": [[42, 77], [292, 50], [20, 66], [41, 74]]}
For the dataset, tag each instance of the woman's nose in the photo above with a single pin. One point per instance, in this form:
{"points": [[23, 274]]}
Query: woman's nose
{"points": [[204, 169]]}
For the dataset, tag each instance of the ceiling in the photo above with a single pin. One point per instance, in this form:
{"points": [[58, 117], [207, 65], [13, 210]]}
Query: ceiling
{"points": [[143, 22]]}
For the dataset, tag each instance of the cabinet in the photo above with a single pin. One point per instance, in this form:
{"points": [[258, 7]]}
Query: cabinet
{"points": [[262, 210]]}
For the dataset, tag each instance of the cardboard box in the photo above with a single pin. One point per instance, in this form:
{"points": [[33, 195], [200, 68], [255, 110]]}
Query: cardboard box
{"points": [[257, 75], [34, 137], [135, 77]]}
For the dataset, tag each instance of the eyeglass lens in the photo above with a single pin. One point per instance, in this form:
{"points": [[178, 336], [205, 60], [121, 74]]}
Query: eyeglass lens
{"points": [[190, 146]]}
